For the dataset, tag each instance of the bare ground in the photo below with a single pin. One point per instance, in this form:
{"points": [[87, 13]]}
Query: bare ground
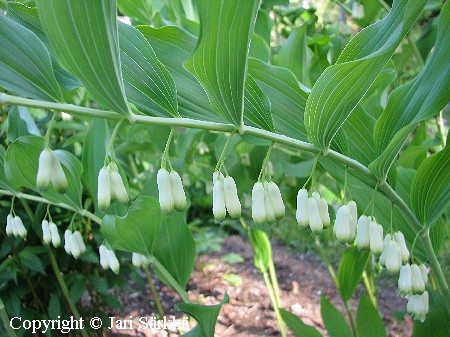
{"points": [[303, 279]]}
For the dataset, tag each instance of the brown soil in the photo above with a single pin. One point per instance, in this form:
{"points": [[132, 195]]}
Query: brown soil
{"points": [[303, 279]]}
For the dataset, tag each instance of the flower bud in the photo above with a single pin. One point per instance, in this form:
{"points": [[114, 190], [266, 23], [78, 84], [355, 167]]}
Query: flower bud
{"points": [[56, 240], [102, 250], [375, 238], [179, 198], [68, 241], [418, 286], [393, 256], [258, 205], [323, 210], [418, 306], [302, 208], [9, 225], [423, 271], [117, 186], [357, 10], [46, 234], [400, 239], [362, 237], [104, 188], [219, 209], [136, 260], [315, 222], [113, 262], [166, 201], [383, 255], [232, 202], [270, 211], [276, 199], [353, 219], [58, 177], [21, 230], [75, 249], [44, 173], [404, 280], [342, 224]]}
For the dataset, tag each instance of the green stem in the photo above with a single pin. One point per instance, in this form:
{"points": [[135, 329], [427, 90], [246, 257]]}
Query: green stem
{"points": [[369, 290], [384, 5], [49, 130], [274, 280], [154, 293], [113, 137], [275, 304], [172, 282], [36, 198], [262, 174], [224, 151], [253, 131], [6, 321], [64, 289]]}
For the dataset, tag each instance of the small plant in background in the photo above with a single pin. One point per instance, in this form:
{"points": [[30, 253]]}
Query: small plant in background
{"points": [[304, 129]]}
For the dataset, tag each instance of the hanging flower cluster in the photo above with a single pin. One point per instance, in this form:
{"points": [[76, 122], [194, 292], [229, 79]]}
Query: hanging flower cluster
{"points": [[369, 235], [312, 211], [50, 233], [50, 172], [171, 191], [267, 203], [110, 187], [15, 227], [225, 197], [412, 281], [108, 260], [140, 260], [73, 243]]}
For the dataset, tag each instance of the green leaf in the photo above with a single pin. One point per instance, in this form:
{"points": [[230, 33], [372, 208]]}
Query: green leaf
{"points": [[295, 55], [3, 182], [219, 61], [259, 49], [21, 164], [20, 123], [54, 306], [83, 35], [296, 325], [205, 315], [430, 189], [415, 101], [173, 46], [257, 106], [333, 319], [262, 250], [31, 261], [342, 86], [350, 271], [95, 143], [138, 230], [25, 65], [28, 17], [139, 11], [146, 79], [368, 320], [437, 322], [175, 248]]}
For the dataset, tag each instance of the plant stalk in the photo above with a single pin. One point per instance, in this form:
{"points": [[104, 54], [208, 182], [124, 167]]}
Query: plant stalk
{"points": [[154, 293], [172, 282], [275, 304], [6, 321]]}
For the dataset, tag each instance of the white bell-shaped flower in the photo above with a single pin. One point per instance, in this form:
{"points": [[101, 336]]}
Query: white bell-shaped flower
{"points": [[400, 239], [270, 211], [117, 187], [424, 273], [46, 234], [342, 229], [219, 209], [302, 208], [104, 188], [113, 261], [362, 236], [275, 198], [178, 195], [56, 239], [375, 238], [418, 306], [232, 202], [9, 224], [102, 250], [323, 209], [258, 206], [357, 10], [44, 173], [315, 222], [404, 280], [383, 255], [58, 177], [353, 219], [20, 228], [393, 256], [139, 260], [77, 244], [418, 286], [68, 241], [166, 201]]}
